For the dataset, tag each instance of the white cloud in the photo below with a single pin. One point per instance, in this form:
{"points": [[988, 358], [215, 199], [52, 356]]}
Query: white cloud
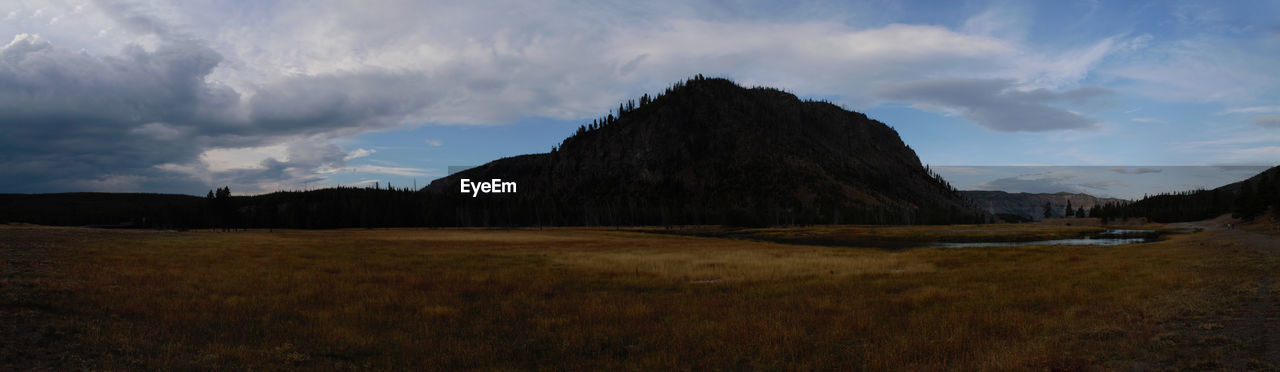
{"points": [[1148, 120], [225, 159], [1004, 22], [434, 142], [359, 153], [398, 171], [1253, 110], [1061, 69], [1202, 69]]}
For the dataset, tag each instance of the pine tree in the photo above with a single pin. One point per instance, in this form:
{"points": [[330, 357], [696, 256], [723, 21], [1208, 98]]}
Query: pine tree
{"points": [[1048, 210], [1068, 211]]}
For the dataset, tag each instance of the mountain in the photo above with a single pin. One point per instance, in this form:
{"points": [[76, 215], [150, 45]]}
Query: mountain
{"points": [[1245, 199], [708, 151], [1031, 206]]}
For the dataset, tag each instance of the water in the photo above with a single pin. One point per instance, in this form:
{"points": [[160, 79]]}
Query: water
{"points": [[1126, 231], [1109, 237]]}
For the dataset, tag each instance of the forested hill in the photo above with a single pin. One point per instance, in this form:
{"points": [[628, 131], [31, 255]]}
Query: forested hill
{"points": [[708, 151], [1030, 206], [1245, 199]]}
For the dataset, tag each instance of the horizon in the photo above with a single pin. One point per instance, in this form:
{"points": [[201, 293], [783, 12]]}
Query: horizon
{"points": [[157, 97]]}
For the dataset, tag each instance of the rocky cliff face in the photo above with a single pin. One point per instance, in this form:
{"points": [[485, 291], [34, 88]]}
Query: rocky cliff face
{"points": [[710, 151], [1031, 206]]}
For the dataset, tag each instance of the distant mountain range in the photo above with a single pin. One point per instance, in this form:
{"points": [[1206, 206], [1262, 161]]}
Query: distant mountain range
{"points": [[708, 151], [1031, 206]]}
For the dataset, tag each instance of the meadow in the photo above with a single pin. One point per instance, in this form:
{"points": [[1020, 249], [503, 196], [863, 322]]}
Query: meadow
{"points": [[583, 298]]}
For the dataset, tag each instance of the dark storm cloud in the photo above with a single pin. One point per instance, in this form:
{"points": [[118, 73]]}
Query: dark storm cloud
{"points": [[141, 118], [315, 104], [1135, 170], [996, 104], [88, 117]]}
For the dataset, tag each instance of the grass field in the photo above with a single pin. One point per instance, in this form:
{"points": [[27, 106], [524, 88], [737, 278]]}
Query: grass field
{"points": [[576, 298], [892, 237]]}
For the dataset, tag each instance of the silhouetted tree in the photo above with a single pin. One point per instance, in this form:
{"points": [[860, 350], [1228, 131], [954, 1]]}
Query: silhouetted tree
{"points": [[225, 208]]}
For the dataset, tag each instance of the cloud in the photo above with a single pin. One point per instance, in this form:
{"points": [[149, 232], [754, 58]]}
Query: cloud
{"points": [[1248, 149], [205, 93], [1148, 120], [1267, 121], [1253, 110], [1102, 185], [997, 104], [1136, 170], [1252, 155], [359, 153], [434, 142], [182, 104], [1201, 69], [136, 19], [998, 21], [365, 183], [158, 116], [82, 117], [398, 171], [333, 103], [1033, 185]]}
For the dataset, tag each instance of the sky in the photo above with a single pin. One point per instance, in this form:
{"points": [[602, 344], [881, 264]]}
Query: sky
{"points": [[186, 96]]}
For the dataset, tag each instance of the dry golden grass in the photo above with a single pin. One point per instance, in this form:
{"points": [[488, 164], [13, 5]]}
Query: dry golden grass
{"points": [[893, 237], [602, 299]]}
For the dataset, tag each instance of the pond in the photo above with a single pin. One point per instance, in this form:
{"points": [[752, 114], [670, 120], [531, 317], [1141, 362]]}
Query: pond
{"points": [[1109, 237]]}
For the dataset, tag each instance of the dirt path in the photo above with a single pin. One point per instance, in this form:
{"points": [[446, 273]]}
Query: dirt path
{"points": [[1257, 325]]}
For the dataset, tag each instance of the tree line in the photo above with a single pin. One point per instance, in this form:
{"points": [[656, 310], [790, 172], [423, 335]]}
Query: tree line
{"points": [[375, 207], [1247, 200]]}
